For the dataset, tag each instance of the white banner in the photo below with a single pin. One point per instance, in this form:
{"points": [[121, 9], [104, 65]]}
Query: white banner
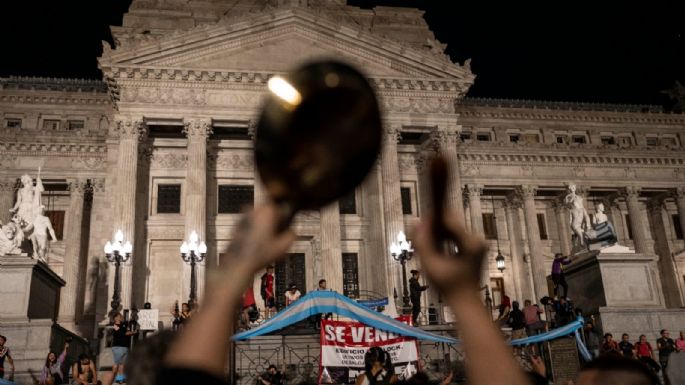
{"points": [[148, 319]]}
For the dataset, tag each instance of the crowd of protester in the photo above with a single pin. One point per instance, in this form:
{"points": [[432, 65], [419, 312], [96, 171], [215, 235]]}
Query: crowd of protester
{"points": [[195, 351]]}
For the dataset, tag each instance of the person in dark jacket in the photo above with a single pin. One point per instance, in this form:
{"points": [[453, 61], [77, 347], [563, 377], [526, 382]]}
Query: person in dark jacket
{"points": [[517, 321], [415, 290]]}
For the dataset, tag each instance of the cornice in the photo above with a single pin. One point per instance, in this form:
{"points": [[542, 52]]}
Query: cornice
{"points": [[484, 157], [54, 149], [575, 116], [52, 84], [27, 97]]}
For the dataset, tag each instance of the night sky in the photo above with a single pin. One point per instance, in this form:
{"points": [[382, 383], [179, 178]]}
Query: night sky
{"points": [[600, 51]]}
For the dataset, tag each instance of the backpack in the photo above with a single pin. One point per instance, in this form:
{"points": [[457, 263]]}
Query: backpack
{"points": [[263, 288]]}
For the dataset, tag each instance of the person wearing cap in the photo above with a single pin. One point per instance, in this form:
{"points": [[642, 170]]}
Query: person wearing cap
{"points": [[292, 294], [271, 377], [415, 290]]}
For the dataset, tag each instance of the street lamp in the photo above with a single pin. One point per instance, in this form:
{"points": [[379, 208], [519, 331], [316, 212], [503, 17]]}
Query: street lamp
{"points": [[401, 251], [193, 252], [117, 252], [499, 259]]}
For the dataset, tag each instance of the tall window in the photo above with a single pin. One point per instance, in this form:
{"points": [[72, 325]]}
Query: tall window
{"points": [[405, 193], [233, 198], [678, 230], [348, 203], [168, 199], [57, 220], [350, 269], [542, 227], [489, 226]]}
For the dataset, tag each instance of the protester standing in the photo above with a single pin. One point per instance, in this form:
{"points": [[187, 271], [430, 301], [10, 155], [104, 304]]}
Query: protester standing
{"points": [[415, 290], [645, 353], [626, 348], [558, 277], [5, 355]]}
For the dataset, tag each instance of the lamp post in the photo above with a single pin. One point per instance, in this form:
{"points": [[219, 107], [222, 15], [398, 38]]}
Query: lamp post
{"points": [[193, 253], [402, 252], [117, 252]]}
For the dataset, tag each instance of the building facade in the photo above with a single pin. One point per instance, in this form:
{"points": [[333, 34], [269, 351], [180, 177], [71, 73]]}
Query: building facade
{"points": [[163, 147]]}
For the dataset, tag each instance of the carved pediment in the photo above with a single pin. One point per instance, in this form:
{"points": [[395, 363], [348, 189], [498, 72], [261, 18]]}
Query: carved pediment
{"points": [[276, 42]]}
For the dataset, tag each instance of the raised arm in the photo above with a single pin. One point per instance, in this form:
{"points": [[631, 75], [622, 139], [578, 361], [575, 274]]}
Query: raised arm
{"points": [[203, 344], [457, 278]]}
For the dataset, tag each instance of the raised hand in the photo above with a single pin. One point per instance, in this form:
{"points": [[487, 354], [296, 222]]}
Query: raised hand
{"points": [[450, 273]]}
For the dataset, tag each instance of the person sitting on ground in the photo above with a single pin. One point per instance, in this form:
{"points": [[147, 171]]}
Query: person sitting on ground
{"points": [[609, 346], [292, 294], [200, 352], [645, 353], [377, 368], [52, 370], [626, 348], [613, 369], [272, 377], [83, 371], [517, 321]]}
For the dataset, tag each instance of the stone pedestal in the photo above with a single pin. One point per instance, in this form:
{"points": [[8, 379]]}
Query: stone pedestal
{"points": [[29, 295], [614, 280], [623, 290]]}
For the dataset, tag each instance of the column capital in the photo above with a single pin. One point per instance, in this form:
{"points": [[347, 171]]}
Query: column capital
{"points": [[630, 192], [252, 128], [8, 185], [130, 128], [679, 193], [558, 204], [473, 191], [443, 137], [392, 132], [77, 186], [527, 191], [97, 185], [197, 129]]}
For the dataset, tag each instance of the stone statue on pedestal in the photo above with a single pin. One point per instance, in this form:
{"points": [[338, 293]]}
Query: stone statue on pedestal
{"points": [[580, 220], [28, 221], [602, 233], [41, 227]]}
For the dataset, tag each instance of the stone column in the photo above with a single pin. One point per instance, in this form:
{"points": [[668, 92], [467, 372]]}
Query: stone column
{"points": [[631, 195], [511, 205], [392, 203], [563, 226], [473, 192], [445, 141], [260, 194], [99, 235], [679, 197], [537, 259], [197, 131], [68, 294], [331, 253], [667, 270], [7, 192], [131, 132]]}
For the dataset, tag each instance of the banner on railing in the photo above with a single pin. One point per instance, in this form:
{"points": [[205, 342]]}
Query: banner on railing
{"points": [[344, 344]]}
